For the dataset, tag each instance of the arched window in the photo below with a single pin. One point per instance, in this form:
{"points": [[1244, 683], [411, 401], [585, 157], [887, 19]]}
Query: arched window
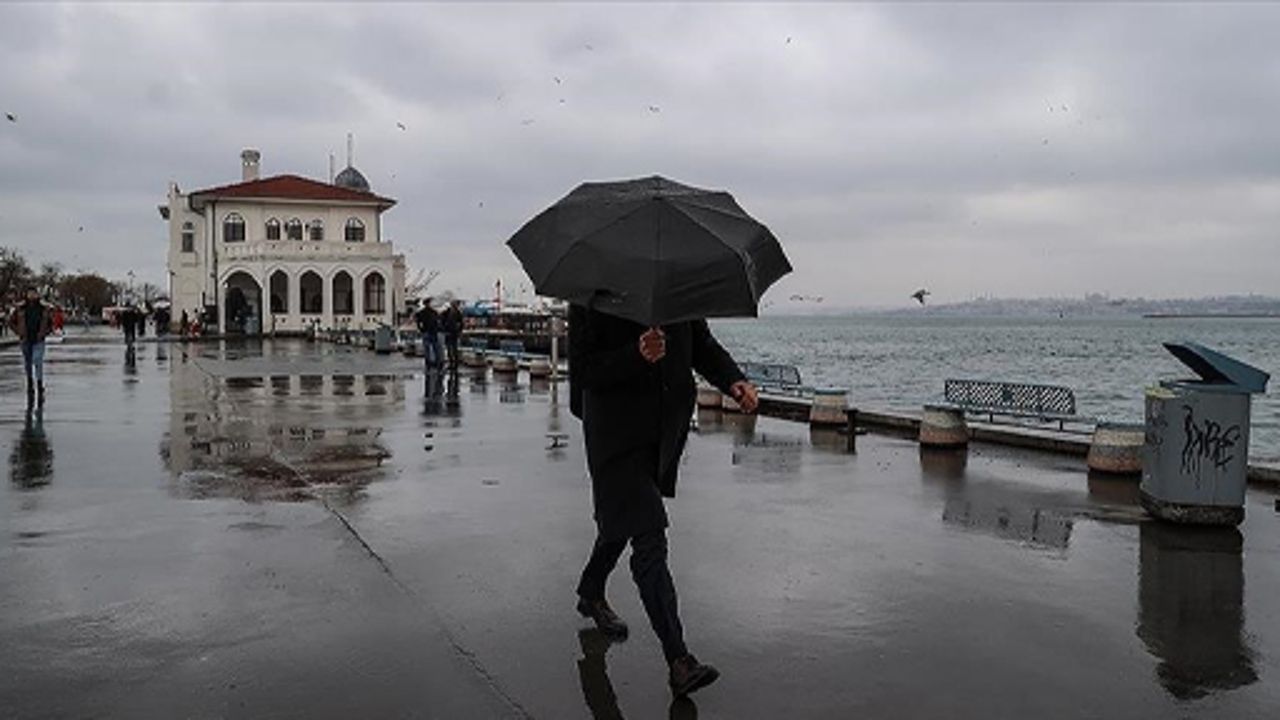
{"points": [[315, 230], [279, 292], [233, 228], [293, 229], [311, 293], [188, 237], [273, 229], [355, 230], [344, 297], [375, 294]]}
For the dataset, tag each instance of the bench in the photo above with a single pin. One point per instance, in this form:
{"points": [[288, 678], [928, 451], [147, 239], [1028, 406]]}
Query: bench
{"points": [[775, 379], [511, 348], [1047, 403]]}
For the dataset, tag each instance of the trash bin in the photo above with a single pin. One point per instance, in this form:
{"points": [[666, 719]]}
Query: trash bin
{"points": [[1195, 457], [382, 340]]}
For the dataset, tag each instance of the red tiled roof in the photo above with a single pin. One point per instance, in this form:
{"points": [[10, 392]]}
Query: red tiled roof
{"points": [[289, 187]]}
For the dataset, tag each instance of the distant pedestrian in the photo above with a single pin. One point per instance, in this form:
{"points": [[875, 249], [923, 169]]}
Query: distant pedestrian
{"points": [[184, 325], [428, 321], [59, 319], [32, 322], [129, 323], [451, 324]]}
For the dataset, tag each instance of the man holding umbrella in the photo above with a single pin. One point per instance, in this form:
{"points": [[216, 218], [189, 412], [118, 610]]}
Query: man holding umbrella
{"points": [[644, 263]]}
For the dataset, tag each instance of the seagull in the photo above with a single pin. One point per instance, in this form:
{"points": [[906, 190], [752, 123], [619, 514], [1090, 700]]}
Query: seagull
{"points": [[788, 39], [654, 109], [556, 79], [1045, 141], [481, 204], [588, 47], [401, 126], [527, 121], [11, 117], [80, 229], [920, 294]]}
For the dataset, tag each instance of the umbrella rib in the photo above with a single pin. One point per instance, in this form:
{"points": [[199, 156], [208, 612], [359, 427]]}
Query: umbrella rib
{"points": [[739, 215], [587, 237], [740, 252]]}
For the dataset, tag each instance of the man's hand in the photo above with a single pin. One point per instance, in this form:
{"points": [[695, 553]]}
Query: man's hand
{"points": [[746, 395], [653, 345]]}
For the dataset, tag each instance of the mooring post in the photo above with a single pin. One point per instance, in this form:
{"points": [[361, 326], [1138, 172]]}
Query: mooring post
{"points": [[851, 424]]}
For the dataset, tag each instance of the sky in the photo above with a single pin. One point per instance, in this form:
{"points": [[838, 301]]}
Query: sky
{"points": [[1030, 150]]}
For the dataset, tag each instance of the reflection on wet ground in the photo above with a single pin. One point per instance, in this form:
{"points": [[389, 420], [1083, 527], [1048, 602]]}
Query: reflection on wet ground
{"points": [[407, 541], [1191, 609], [31, 460]]}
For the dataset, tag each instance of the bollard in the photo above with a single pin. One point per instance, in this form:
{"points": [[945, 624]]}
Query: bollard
{"points": [[943, 426], [708, 396], [828, 407], [1117, 448], [851, 429], [540, 369], [729, 405], [505, 364]]}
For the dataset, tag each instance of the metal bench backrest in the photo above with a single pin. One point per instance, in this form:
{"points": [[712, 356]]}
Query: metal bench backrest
{"points": [[769, 375], [1047, 400]]}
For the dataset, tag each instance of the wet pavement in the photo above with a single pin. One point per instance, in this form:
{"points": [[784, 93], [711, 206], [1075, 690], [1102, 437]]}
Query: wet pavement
{"points": [[285, 529]]}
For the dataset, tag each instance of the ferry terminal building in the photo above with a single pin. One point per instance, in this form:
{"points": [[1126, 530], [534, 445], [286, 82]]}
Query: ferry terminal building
{"points": [[283, 253]]}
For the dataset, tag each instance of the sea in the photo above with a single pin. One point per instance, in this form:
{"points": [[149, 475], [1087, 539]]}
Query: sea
{"points": [[900, 362]]}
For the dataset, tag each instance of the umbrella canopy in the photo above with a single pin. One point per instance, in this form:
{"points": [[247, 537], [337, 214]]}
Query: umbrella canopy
{"points": [[652, 251]]}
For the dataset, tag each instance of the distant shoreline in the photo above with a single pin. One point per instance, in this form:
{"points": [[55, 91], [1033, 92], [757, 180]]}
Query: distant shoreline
{"points": [[1202, 316]]}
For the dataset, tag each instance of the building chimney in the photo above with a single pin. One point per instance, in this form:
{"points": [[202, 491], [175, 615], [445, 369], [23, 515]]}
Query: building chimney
{"points": [[249, 164]]}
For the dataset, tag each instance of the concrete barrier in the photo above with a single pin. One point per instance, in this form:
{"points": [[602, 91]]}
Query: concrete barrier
{"points": [[539, 368], [942, 426], [729, 405], [708, 396], [828, 407], [1116, 448], [504, 364]]}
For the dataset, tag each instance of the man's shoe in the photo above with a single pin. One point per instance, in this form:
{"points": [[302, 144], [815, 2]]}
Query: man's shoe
{"points": [[688, 675], [606, 619]]}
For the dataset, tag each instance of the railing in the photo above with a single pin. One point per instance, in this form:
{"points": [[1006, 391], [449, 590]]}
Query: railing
{"points": [[305, 250]]}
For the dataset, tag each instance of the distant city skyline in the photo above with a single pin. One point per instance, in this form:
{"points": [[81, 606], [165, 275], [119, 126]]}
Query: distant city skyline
{"points": [[1010, 150]]}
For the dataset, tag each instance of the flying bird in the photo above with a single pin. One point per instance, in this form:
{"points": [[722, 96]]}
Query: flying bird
{"points": [[80, 229], [401, 126], [11, 117], [788, 39], [920, 295], [655, 109], [527, 121], [588, 47], [556, 79]]}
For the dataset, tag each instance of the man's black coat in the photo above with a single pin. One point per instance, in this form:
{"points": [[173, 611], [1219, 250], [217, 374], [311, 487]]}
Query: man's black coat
{"points": [[626, 403]]}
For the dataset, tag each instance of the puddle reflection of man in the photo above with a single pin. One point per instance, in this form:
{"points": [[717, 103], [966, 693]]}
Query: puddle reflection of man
{"points": [[633, 389], [597, 689], [31, 462]]}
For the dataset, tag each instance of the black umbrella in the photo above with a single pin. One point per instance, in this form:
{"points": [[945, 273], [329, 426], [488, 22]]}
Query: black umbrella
{"points": [[652, 251]]}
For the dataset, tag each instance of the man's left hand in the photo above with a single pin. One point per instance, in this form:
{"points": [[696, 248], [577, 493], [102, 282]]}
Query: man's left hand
{"points": [[746, 395]]}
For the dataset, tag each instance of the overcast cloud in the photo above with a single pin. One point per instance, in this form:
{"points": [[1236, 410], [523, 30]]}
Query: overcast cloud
{"points": [[1011, 150]]}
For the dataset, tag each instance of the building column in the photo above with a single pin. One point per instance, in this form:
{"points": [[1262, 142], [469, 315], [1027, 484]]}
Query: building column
{"points": [[293, 301], [357, 301], [326, 292]]}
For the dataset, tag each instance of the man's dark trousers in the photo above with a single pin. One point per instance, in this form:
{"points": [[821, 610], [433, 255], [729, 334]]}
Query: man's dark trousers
{"points": [[652, 578]]}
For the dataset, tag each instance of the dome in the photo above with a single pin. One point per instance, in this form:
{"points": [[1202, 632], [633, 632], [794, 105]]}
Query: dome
{"points": [[351, 179]]}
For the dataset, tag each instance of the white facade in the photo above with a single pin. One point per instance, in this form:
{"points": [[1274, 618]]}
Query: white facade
{"points": [[328, 279]]}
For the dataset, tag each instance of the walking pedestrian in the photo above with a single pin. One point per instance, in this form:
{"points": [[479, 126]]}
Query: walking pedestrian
{"points": [[633, 389], [184, 325], [428, 321], [129, 322], [32, 322], [451, 323]]}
